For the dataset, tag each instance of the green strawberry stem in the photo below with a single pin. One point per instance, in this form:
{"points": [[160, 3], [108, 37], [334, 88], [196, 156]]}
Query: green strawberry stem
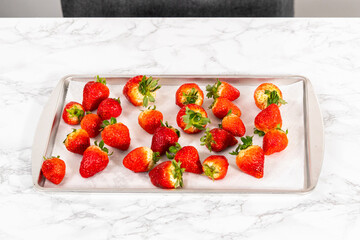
{"points": [[279, 128], [273, 97], [167, 125], [194, 119], [75, 111], [156, 157], [191, 97], [210, 171], [107, 122], [247, 142], [117, 99], [177, 173], [102, 147], [260, 133], [173, 150], [51, 157], [213, 90], [207, 139], [146, 87], [100, 80]]}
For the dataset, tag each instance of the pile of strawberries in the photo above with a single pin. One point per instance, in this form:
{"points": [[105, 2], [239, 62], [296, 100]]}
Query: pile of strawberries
{"points": [[192, 118]]}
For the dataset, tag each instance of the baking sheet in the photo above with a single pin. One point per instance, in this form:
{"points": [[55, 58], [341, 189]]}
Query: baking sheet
{"points": [[283, 170]]}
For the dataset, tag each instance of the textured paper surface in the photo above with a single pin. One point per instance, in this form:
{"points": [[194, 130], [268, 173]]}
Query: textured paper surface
{"points": [[283, 170]]}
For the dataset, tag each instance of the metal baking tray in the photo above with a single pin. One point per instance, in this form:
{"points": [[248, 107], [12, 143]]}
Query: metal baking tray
{"points": [[306, 153]]}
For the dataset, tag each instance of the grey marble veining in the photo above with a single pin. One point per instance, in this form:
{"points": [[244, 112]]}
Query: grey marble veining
{"points": [[36, 53]]}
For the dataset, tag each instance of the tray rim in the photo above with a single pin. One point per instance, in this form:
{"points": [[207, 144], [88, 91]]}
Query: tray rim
{"points": [[311, 178]]}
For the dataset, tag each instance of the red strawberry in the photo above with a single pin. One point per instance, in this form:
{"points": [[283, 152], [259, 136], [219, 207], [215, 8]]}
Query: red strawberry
{"points": [[192, 118], [73, 113], [150, 119], [221, 107], [115, 134], [275, 141], [95, 159], [53, 169], [77, 141], [167, 175], [217, 139], [215, 167], [141, 159], [189, 93], [91, 123], [188, 156], [140, 90], [222, 89], [268, 119], [94, 93], [109, 108], [266, 94], [250, 158], [163, 138], [233, 125]]}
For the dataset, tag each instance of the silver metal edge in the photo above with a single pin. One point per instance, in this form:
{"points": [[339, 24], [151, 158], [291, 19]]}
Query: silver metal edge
{"points": [[43, 132], [309, 92], [315, 135]]}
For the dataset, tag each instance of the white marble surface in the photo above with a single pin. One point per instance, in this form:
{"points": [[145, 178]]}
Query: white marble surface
{"points": [[36, 53]]}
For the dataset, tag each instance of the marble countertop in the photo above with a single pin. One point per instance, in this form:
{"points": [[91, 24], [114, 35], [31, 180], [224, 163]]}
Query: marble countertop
{"points": [[36, 53]]}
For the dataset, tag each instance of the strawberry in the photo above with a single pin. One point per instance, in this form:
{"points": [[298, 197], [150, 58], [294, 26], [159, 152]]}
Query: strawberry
{"points": [[167, 175], [109, 108], [268, 119], [53, 169], [91, 123], [188, 156], [192, 118], [250, 158], [73, 113], [163, 138], [221, 107], [215, 167], [115, 134], [233, 124], [141, 159], [95, 159], [274, 141], [189, 93], [222, 89], [140, 90], [94, 93], [266, 94], [217, 139], [77, 141], [150, 119]]}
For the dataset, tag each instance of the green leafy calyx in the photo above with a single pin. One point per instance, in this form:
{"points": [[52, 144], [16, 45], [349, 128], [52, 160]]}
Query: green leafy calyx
{"points": [[207, 139], [177, 173], [146, 87], [210, 171], [273, 97], [258, 132], [101, 145], [156, 157], [100, 80], [247, 142], [213, 90], [194, 119], [191, 97], [107, 122], [279, 128], [172, 128], [173, 150], [75, 111], [51, 157]]}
